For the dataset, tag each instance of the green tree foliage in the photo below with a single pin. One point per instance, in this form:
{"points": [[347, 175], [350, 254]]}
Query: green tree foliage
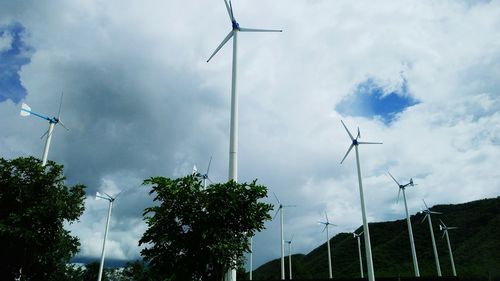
{"points": [[35, 204], [198, 233]]}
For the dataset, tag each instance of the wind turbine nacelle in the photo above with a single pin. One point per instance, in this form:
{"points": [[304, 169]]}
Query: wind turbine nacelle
{"points": [[25, 110]]}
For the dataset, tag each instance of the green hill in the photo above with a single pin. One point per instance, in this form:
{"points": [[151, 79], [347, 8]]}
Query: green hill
{"points": [[475, 244]]}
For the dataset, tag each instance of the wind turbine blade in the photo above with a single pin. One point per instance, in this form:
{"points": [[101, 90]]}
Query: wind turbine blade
{"points": [[229, 35], [365, 142], [451, 227], [349, 133], [444, 233], [208, 168], [25, 110], [291, 239], [276, 213], [326, 225], [326, 216], [243, 29], [61, 123], [229, 10], [424, 218], [44, 134], [276, 198], [437, 213], [444, 225], [288, 206], [60, 104], [210, 180], [393, 178], [361, 233], [359, 134], [399, 193], [110, 197], [347, 153], [427, 207]]}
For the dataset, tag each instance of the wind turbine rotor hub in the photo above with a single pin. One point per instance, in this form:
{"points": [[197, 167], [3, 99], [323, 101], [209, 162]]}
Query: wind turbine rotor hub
{"points": [[355, 142], [236, 25]]}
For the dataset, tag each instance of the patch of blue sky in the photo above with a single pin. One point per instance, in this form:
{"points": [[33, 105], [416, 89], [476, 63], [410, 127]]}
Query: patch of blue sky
{"points": [[372, 100], [14, 54]]}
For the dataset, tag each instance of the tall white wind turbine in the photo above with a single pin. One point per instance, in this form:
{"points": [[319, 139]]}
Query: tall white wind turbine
{"points": [[408, 221], [445, 229], [368, 247], [26, 111], [327, 223], [233, 135], [111, 199], [280, 211], [427, 216], [289, 242], [357, 236]]}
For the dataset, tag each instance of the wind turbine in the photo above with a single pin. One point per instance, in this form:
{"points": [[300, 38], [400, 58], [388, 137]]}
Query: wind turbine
{"points": [[204, 176], [111, 199], [357, 236], [445, 229], [408, 221], [368, 248], [428, 213], [233, 135], [327, 224], [280, 210], [26, 111], [289, 242]]}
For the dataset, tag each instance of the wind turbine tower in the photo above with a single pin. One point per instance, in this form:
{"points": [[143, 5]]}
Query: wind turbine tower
{"points": [[445, 229], [327, 224], [357, 236], [410, 231], [368, 248], [233, 135], [26, 111], [280, 210], [289, 242], [111, 199], [428, 213]]}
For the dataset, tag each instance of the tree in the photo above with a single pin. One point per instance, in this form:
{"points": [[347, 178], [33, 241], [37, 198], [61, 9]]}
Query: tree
{"points": [[196, 233], [35, 204]]}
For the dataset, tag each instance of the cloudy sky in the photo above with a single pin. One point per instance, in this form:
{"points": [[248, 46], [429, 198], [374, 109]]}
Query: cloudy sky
{"points": [[140, 100]]}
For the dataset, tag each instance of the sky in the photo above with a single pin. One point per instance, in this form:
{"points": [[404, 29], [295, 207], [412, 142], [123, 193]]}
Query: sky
{"points": [[140, 100]]}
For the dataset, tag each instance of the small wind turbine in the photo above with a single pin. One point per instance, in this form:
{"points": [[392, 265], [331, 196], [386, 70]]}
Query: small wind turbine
{"points": [[428, 213], [26, 111], [204, 176], [445, 229], [327, 224], [289, 242], [111, 199], [408, 221], [280, 210], [368, 247], [357, 236]]}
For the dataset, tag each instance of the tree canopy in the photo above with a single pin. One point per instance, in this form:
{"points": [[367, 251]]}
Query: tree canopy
{"points": [[196, 233], [35, 204]]}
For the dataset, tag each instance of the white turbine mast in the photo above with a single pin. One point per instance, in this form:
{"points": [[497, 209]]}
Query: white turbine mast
{"points": [[280, 211], [402, 187], [427, 216], [289, 242], [26, 111], [233, 135], [358, 236], [355, 143], [111, 199], [327, 223], [445, 229]]}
